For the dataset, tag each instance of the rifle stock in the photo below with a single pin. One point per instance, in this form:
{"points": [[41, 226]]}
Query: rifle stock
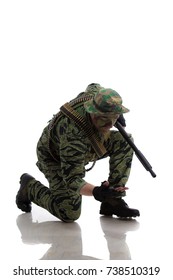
{"points": [[138, 153]]}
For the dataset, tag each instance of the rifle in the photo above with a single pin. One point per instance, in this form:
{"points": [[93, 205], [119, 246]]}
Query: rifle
{"points": [[139, 155]]}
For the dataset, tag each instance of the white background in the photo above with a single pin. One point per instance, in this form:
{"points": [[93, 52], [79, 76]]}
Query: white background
{"points": [[51, 50]]}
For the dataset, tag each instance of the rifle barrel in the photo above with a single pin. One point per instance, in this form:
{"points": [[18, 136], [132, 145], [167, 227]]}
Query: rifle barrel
{"points": [[138, 153]]}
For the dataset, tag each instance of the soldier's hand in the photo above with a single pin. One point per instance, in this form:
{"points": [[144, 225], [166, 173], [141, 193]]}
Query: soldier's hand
{"points": [[117, 189], [104, 191]]}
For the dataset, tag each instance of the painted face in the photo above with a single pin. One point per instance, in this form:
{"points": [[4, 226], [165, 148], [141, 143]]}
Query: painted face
{"points": [[104, 122]]}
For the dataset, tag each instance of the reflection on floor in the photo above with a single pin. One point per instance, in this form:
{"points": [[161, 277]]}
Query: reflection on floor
{"points": [[65, 240]]}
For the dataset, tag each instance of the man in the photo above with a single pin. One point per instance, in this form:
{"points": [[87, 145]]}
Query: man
{"points": [[80, 133]]}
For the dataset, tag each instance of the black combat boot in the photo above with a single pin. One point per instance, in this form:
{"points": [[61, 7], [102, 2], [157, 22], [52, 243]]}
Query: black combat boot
{"points": [[119, 208], [22, 200]]}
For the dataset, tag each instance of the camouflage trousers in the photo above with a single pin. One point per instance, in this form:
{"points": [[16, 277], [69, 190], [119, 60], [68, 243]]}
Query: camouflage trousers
{"points": [[62, 201]]}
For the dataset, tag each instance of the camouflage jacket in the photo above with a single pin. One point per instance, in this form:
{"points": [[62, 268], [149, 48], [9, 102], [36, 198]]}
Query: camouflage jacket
{"points": [[68, 145]]}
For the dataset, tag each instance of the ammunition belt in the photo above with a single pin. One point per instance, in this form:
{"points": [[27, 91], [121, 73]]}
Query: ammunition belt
{"points": [[68, 109]]}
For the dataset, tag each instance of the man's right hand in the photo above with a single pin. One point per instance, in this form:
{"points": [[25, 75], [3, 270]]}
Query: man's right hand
{"points": [[104, 191]]}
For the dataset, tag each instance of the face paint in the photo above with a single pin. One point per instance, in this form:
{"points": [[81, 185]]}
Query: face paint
{"points": [[104, 123]]}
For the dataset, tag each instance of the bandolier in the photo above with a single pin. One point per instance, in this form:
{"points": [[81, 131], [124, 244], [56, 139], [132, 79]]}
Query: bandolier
{"points": [[68, 109]]}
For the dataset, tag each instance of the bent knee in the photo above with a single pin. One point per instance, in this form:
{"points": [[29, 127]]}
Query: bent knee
{"points": [[70, 217]]}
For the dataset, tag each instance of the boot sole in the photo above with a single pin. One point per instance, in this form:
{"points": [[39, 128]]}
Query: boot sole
{"points": [[120, 216]]}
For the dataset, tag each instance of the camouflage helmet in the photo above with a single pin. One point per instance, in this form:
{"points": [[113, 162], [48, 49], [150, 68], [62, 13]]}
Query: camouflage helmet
{"points": [[106, 100]]}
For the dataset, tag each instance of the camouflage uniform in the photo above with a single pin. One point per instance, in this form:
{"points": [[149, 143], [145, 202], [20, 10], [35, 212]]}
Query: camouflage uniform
{"points": [[62, 157]]}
